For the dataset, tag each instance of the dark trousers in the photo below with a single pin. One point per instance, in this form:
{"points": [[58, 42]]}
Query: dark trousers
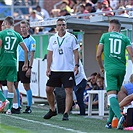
{"points": [[79, 92]]}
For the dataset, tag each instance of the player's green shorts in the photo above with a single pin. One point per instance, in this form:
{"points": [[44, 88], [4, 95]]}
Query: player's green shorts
{"points": [[8, 73], [114, 79]]}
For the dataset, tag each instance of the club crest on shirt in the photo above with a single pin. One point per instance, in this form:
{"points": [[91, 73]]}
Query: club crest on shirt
{"points": [[54, 43]]}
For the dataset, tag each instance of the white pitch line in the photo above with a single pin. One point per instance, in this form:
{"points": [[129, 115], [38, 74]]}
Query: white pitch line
{"points": [[46, 124]]}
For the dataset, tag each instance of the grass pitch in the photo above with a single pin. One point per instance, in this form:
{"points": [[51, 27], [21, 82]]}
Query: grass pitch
{"points": [[34, 123]]}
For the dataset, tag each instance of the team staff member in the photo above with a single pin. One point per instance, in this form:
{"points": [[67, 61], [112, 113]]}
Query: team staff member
{"points": [[61, 67], [24, 76], [114, 44], [79, 88], [9, 41]]}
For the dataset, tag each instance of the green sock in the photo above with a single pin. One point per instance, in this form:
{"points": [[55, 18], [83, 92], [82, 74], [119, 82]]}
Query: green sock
{"points": [[2, 97], [10, 97], [10, 100], [115, 107], [111, 115]]}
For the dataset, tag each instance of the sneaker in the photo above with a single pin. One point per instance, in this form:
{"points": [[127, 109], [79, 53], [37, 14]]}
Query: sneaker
{"points": [[108, 125], [50, 114], [8, 112], [4, 105], [120, 123], [27, 110], [65, 117], [15, 111]]}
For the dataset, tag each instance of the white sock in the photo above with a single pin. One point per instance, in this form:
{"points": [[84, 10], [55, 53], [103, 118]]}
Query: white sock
{"points": [[15, 105]]}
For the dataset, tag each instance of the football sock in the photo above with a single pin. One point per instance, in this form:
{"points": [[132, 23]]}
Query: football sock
{"points": [[111, 115], [10, 97], [2, 97], [18, 97], [29, 97], [115, 107]]}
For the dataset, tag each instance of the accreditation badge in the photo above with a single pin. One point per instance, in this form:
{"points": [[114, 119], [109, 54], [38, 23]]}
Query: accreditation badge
{"points": [[60, 51]]}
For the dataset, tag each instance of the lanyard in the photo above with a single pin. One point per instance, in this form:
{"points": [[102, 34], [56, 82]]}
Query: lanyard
{"points": [[59, 42]]}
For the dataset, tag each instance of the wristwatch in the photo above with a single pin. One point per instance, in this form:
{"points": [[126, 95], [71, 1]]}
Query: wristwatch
{"points": [[77, 65], [30, 67]]}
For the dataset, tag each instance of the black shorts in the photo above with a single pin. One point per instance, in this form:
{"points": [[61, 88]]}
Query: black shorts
{"points": [[22, 74], [57, 79]]}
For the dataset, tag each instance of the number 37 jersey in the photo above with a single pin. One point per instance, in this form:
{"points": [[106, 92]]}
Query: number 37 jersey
{"points": [[115, 45], [8, 51]]}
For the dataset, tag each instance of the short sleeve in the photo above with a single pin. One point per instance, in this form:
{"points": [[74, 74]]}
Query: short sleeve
{"points": [[33, 45], [75, 43], [50, 45]]}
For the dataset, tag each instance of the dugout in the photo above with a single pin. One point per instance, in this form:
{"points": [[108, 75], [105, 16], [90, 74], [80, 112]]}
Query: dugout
{"points": [[92, 30]]}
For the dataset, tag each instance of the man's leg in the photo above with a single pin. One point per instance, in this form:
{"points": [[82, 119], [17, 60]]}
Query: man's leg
{"points": [[10, 95], [29, 97], [15, 108], [51, 97], [69, 99], [114, 103], [116, 109], [51, 100], [111, 115], [79, 96], [17, 93], [68, 102], [15, 101]]}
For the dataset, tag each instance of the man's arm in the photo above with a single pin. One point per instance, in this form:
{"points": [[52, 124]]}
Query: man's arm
{"points": [[127, 100], [26, 55], [99, 57], [31, 58], [76, 57], [130, 51], [28, 73], [49, 61], [0, 42]]}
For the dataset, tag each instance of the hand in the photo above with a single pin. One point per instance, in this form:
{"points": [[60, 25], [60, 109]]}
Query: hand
{"points": [[48, 72], [102, 70], [76, 70], [25, 67], [28, 73]]}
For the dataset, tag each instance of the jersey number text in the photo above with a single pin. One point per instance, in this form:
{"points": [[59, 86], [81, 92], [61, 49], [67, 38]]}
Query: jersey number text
{"points": [[10, 40], [115, 46]]}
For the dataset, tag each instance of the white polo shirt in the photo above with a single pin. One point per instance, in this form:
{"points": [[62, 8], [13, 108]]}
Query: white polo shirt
{"points": [[65, 61]]}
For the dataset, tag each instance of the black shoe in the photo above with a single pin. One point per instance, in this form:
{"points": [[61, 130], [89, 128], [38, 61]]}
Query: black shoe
{"points": [[27, 110], [65, 117], [50, 114], [108, 125], [20, 108], [15, 111]]}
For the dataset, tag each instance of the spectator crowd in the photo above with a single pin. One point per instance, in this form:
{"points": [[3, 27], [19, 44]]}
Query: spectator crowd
{"points": [[81, 8]]}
